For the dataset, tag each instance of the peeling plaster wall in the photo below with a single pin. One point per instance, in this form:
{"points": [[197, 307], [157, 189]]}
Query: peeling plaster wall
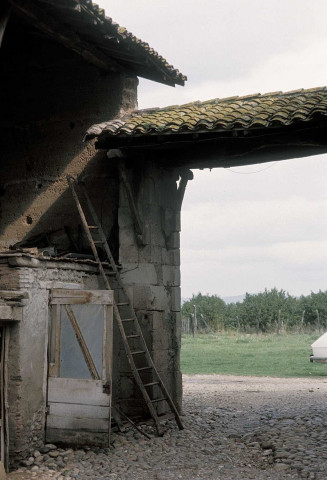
{"points": [[152, 274], [49, 97], [27, 357]]}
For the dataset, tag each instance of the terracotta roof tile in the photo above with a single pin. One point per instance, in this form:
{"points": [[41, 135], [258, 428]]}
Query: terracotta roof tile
{"points": [[87, 18], [124, 35], [248, 112]]}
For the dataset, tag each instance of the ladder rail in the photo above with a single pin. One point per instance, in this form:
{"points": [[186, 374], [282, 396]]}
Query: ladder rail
{"points": [[139, 334]]}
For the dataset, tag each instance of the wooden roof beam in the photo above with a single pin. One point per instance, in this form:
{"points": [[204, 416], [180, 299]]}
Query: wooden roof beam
{"points": [[58, 32], [4, 17]]}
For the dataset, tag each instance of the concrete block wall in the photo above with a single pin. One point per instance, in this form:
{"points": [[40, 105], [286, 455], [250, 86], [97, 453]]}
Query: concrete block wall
{"points": [[152, 272]]}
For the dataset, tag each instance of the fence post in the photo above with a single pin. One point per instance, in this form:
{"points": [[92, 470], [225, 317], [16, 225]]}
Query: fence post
{"points": [[318, 320], [238, 324], [195, 321], [278, 323], [302, 322]]}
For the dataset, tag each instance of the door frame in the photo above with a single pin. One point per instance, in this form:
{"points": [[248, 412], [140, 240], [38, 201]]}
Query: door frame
{"points": [[66, 297]]}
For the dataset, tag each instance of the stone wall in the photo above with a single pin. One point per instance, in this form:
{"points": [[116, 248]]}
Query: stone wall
{"points": [[152, 274]]}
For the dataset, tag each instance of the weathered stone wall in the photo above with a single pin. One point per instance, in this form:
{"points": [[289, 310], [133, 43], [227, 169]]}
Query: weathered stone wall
{"points": [[152, 273], [49, 97]]}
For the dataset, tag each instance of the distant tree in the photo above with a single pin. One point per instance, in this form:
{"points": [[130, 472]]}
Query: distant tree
{"points": [[314, 307], [209, 307]]}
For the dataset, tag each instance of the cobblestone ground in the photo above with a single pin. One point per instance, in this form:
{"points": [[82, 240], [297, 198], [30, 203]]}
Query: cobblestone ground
{"points": [[235, 428]]}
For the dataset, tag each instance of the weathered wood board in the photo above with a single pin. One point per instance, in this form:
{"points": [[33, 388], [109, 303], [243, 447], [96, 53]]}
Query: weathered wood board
{"points": [[80, 424], [78, 410], [77, 391]]}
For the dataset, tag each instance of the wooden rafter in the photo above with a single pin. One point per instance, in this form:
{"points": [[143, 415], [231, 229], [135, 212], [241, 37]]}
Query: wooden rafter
{"points": [[58, 32], [4, 17], [130, 196]]}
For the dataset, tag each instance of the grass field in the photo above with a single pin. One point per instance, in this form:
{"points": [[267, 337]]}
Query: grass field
{"points": [[265, 355]]}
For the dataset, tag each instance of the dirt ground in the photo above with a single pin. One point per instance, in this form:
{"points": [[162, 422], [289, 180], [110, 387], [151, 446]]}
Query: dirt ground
{"points": [[235, 428]]}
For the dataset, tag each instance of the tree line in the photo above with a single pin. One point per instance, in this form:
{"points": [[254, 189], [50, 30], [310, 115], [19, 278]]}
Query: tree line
{"points": [[269, 311]]}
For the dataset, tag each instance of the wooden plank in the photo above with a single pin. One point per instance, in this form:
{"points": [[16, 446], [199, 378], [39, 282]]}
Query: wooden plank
{"points": [[107, 350], [76, 423], [74, 301], [5, 394], [72, 437], [67, 296], [79, 391], [87, 356], [78, 411]]}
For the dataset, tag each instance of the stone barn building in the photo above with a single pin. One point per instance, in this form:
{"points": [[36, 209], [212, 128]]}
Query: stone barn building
{"points": [[64, 67]]}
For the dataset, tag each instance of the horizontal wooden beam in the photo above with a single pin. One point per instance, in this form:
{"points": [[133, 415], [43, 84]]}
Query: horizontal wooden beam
{"points": [[235, 151], [58, 32]]}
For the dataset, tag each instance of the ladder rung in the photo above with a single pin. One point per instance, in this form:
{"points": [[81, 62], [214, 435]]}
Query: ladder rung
{"points": [[96, 237]]}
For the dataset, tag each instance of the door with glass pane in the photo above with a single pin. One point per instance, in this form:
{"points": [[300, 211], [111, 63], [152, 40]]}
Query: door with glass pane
{"points": [[80, 367]]}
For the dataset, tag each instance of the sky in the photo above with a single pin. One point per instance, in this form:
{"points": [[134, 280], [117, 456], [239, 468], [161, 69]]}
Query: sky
{"points": [[249, 228]]}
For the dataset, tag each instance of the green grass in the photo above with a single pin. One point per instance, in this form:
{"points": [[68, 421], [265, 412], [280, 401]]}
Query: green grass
{"points": [[261, 355]]}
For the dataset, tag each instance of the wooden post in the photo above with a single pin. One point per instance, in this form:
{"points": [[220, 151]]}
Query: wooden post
{"points": [[278, 323], [302, 322], [318, 320], [238, 324], [195, 321], [258, 322]]}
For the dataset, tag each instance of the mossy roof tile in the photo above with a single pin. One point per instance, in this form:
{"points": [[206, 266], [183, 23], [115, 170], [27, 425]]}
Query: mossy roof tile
{"points": [[250, 111]]}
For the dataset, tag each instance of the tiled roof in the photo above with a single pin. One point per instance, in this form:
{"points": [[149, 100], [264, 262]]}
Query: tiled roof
{"points": [[89, 21], [268, 110], [123, 35]]}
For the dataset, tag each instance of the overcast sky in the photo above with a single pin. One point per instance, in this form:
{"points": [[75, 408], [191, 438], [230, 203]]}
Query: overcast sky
{"points": [[243, 229]]}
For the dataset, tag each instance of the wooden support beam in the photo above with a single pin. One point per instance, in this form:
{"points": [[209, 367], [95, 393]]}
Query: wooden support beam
{"points": [[64, 4], [4, 17], [186, 175], [130, 196], [58, 32], [88, 358]]}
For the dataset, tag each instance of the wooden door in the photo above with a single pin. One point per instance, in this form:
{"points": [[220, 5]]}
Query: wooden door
{"points": [[80, 367]]}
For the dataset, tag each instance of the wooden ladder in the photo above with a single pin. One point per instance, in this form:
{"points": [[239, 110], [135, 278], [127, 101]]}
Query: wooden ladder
{"points": [[139, 358]]}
